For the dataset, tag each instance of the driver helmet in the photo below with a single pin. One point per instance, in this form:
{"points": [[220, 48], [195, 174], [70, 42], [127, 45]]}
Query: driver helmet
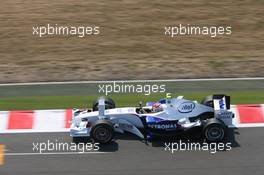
{"points": [[157, 107]]}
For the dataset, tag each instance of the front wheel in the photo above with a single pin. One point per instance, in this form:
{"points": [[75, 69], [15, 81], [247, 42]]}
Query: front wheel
{"points": [[102, 132]]}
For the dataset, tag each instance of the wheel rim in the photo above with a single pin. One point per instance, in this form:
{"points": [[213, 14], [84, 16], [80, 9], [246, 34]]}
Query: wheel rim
{"points": [[102, 133], [214, 133]]}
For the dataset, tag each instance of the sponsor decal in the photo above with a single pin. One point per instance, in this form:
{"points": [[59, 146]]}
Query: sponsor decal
{"points": [[222, 103], [163, 126], [225, 115], [186, 107]]}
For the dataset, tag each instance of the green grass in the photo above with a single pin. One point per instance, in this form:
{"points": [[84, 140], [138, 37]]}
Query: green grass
{"points": [[64, 102]]}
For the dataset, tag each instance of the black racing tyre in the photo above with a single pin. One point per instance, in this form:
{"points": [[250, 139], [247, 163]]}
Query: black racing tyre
{"points": [[102, 131], [109, 103], [208, 101], [214, 130]]}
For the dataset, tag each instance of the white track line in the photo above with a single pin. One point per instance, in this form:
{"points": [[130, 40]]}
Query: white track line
{"points": [[53, 153], [249, 125], [133, 81]]}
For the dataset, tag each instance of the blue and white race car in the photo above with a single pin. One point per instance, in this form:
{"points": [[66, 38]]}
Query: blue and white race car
{"points": [[165, 117]]}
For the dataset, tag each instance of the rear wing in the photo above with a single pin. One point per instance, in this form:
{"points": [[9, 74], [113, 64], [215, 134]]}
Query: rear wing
{"points": [[221, 102]]}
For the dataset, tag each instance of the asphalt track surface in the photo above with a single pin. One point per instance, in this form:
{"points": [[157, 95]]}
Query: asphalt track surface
{"points": [[128, 155]]}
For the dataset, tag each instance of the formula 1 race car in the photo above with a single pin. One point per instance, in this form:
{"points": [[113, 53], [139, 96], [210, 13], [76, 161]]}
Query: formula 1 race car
{"points": [[165, 117]]}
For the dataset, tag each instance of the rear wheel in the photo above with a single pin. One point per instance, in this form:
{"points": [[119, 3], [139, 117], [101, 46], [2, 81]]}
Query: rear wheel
{"points": [[214, 130], [102, 132]]}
